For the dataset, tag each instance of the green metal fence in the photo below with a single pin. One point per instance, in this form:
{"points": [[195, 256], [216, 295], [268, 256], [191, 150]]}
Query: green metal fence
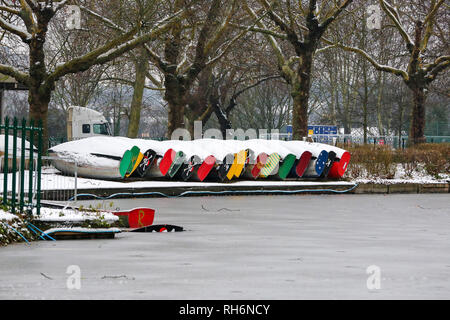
{"points": [[21, 165], [437, 128]]}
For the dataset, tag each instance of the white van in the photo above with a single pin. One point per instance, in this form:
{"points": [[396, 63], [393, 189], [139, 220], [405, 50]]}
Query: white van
{"points": [[83, 122]]}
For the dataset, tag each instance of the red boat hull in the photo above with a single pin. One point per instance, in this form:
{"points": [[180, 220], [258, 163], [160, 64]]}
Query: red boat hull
{"points": [[139, 217]]}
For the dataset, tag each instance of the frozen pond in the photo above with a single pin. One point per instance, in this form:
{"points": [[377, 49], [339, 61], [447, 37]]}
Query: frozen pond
{"points": [[251, 247]]}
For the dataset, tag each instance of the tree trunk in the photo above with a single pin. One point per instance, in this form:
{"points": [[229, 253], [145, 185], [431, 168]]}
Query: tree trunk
{"points": [[39, 112], [175, 118], [40, 87], [379, 104], [117, 124], [365, 122], [141, 66], [38, 98], [300, 97], [190, 119], [300, 114], [365, 115], [1, 105], [417, 131], [175, 112], [224, 121], [400, 125], [365, 102], [176, 100]]}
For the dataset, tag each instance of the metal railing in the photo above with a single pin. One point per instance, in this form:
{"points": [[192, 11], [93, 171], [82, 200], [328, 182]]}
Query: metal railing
{"points": [[21, 180], [57, 185]]}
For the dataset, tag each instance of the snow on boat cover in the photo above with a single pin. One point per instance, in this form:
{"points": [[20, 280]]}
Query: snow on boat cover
{"points": [[99, 157]]}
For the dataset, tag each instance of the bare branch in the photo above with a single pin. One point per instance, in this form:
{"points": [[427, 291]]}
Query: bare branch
{"points": [[10, 10], [115, 48], [325, 48], [257, 83], [154, 81], [108, 22], [395, 71], [223, 27], [440, 65], [227, 47], [156, 59], [393, 15], [429, 23], [23, 34], [85, 62], [20, 76], [27, 15], [60, 5], [324, 25], [129, 82], [290, 33], [274, 44], [260, 30], [432, 13], [30, 3]]}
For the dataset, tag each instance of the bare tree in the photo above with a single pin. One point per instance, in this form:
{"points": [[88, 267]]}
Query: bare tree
{"points": [[302, 27], [267, 106], [30, 24], [423, 64], [219, 87], [190, 49], [141, 68]]}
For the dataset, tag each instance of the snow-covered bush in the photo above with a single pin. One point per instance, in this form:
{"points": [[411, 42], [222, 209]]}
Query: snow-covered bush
{"points": [[9, 222], [372, 161], [384, 162]]}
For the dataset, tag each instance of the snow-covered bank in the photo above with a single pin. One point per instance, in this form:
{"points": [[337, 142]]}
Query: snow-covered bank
{"points": [[418, 176], [69, 215], [82, 230], [13, 229], [53, 180], [16, 228], [60, 182], [6, 216]]}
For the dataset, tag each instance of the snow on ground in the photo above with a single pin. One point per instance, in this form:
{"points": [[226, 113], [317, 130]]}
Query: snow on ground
{"points": [[53, 180], [59, 182], [71, 215], [82, 230], [10, 145], [417, 176], [6, 216]]}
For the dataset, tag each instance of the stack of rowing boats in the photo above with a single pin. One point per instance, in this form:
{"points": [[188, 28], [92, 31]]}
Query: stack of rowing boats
{"points": [[199, 160]]}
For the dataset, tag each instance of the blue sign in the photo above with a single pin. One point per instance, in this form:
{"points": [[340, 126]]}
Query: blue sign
{"points": [[325, 134], [319, 129], [289, 129]]}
